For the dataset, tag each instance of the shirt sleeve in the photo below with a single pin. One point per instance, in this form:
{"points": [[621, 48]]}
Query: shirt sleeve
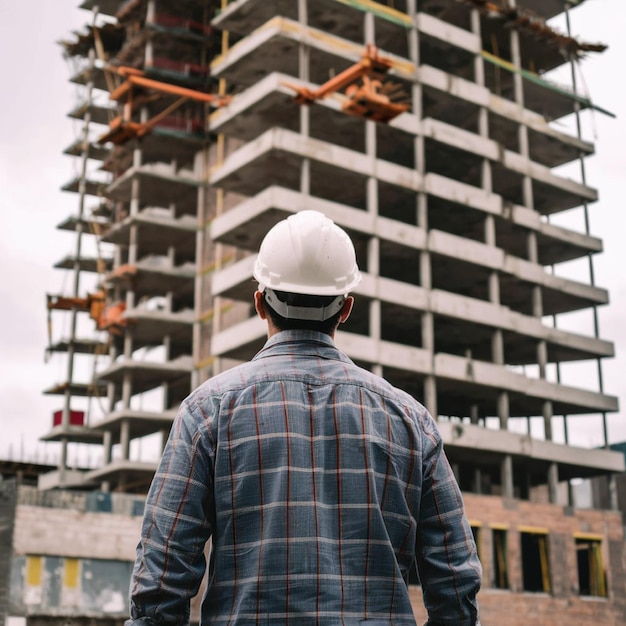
{"points": [[449, 569], [177, 523]]}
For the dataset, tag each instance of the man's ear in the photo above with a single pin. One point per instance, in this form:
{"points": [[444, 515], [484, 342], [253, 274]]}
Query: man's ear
{"points": [[346, 309], [258, 305]]}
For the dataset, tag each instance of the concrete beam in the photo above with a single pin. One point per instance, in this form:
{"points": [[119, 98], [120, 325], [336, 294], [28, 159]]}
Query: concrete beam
{"points": [[447, 33], [142, 423], [521, 446], [501, 378]]}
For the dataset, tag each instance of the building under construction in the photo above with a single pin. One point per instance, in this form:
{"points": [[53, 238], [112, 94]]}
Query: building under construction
{"points": [[431, 132]]}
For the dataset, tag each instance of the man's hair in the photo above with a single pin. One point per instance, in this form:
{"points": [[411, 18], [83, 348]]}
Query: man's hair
{"points": [[296, 299]]}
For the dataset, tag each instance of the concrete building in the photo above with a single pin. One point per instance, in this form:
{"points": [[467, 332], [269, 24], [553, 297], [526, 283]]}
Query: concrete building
{"points": [[429, 131]]}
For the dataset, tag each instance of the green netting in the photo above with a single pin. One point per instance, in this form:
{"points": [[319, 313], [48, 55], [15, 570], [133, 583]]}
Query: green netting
{"points": [[534, 78]]}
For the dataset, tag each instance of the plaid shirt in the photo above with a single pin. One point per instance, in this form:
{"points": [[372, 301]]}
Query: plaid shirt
{"points": [[320, 485]]}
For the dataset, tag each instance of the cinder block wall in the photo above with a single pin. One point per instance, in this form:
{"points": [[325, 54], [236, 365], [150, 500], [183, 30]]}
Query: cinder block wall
{"points": [[77, 534], [96, 534], [72, 554]]}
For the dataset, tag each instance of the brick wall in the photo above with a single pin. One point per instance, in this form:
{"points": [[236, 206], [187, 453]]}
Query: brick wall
{"points": [[563, 606]]}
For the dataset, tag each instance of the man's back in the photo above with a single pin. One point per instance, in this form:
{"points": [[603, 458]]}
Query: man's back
{"points": [[317, 469], [314, 479]]}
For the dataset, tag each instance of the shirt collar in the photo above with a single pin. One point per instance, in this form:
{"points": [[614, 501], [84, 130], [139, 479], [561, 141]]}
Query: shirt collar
{"points": [[302, 342]]}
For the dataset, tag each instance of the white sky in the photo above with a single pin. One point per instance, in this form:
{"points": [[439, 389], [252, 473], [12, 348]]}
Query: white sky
{"points": [[35, 129]]}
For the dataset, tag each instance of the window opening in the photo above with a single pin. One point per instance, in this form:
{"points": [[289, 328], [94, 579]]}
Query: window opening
{"points": [[535, 566], [500, 561], [476, 534], [591, 574]]}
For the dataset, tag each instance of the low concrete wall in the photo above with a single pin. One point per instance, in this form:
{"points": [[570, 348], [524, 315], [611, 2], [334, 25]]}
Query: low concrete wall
{"points": [[72, 554]]}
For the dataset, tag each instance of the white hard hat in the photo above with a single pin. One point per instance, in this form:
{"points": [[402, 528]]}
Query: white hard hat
{"points": [[307, 254]]}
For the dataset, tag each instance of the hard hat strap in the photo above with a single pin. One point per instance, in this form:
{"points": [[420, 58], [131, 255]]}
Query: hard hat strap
{"points": [[309, 313]]}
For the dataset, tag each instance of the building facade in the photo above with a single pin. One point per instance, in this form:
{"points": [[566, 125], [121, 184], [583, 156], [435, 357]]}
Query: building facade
{"points": [[430, 131]]}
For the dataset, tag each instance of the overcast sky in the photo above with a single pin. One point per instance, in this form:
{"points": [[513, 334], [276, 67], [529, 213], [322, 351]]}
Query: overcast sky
{"points": [[35, 129]]}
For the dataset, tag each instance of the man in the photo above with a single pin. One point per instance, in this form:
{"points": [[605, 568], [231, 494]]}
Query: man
{"points": [[319, 484]]}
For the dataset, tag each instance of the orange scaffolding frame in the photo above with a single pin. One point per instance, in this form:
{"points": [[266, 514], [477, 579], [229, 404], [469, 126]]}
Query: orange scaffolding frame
{"points": [[372, 98], [122, 128]]}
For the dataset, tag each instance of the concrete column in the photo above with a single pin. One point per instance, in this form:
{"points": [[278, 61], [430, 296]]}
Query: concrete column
{"points": [[428, 332], [151, 12], [373, 252], [477, 482], [483, 115], [548, 412], [428, 320], [150, 18], [474, 415], [107, 447], [497, 347], [416, 101], [127, 383], [542, 358], [479, 70], [553, 483], [506, 474], [107, 456], [497, 340], [128, 344], [373, 247], [542, 346], [369, 29], [503, 409], [612, 486], [133, 236], [302, 12], [411, 7], [516, 59], [62, 467], [125, 439], [111, 387], [430, 396], [428, 324], [305, 111], [201, 168], [532, 251], [497, 343], [490, 229], [165, 386], [494, 288]]}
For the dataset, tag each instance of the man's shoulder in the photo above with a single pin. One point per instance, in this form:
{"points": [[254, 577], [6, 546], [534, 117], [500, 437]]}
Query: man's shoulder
{"points": [[276, 369], [381, 386], [233, 379]]}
